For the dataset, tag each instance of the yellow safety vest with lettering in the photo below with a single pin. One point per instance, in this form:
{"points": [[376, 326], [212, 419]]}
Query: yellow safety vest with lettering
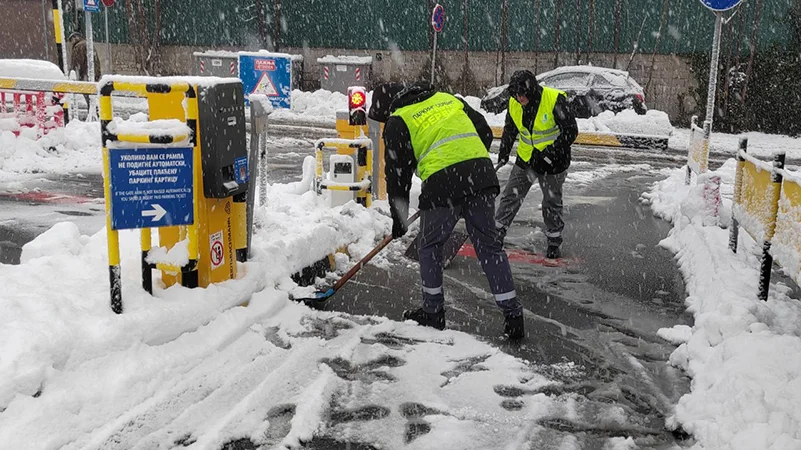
{"points": [[544, 132], [442, 133]]}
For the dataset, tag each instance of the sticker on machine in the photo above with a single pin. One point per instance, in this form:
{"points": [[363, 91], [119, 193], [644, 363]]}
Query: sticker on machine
{"points": [[217, 249]]}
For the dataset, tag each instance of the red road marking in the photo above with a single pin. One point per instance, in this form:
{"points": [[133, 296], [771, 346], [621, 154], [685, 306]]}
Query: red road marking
{"points": [[47, 197], [520, 256]]}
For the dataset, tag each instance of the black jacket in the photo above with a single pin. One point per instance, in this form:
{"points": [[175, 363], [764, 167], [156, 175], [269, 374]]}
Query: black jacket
{"points": [[556, 157], [445, 188]]}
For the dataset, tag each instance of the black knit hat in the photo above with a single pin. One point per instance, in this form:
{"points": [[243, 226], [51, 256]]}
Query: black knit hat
{"points": [[523, 82], [383, 96]]}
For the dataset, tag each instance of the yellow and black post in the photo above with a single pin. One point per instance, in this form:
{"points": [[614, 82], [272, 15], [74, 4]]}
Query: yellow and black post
{"points": [[776, 178], [734, 231], [115, 280], [60, 52], [189, 271], [240, 225]]}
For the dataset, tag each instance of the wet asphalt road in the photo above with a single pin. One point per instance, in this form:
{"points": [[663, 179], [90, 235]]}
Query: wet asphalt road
{"points": [[591, 319]]}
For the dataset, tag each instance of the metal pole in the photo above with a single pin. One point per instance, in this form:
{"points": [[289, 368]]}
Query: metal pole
{"points": [[44, 30], [90, 61], [713, 68], [61, 47], [108, 45], [433, 57]]}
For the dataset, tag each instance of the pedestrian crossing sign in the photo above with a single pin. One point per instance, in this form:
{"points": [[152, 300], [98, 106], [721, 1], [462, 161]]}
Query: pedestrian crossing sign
{"points": [[265, 86]]}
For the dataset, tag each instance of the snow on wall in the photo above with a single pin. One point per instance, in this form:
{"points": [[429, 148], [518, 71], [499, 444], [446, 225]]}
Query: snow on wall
{"points": [[360, 60]]}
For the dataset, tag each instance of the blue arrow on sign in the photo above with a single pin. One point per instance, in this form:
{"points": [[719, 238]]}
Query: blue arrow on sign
{"points": [[720, 5], [151, 187]]}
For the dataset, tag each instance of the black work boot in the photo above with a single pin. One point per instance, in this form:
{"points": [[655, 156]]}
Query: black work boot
{"points": [[434, 320], [553, 252], [514, 327]]}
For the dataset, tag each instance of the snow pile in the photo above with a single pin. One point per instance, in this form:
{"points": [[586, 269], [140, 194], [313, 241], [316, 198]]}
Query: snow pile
{"points": [[193, 367], [318, 107], [30, 68], [652, 123], [759, 144], [741, 353], [137, 127], [73, 148]]}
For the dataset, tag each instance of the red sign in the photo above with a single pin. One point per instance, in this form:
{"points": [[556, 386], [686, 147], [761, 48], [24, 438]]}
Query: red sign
{"points": [[264, 65], [108, 3]]}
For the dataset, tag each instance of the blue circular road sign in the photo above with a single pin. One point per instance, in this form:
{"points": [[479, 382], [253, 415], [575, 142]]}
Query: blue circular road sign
{"points": [[720, 5], [438, 18]]}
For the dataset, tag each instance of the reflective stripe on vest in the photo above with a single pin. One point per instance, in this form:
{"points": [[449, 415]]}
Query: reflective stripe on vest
{"points": [[544, 132], [442, 133]]}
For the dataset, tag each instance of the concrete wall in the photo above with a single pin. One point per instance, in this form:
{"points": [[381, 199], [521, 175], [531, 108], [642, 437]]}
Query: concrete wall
{"points": [[671, 77]]}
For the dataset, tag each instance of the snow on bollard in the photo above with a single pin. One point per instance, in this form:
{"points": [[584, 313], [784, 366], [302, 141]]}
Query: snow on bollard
{"points": [[711, 184]]}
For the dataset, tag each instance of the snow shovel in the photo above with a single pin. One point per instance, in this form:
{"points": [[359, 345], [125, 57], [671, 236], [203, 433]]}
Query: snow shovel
{"points": [[451, 248], [320, 297]]}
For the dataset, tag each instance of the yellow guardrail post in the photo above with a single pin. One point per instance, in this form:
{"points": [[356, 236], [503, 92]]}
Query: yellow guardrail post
{"points": [[318, 169], [190, 278], [734, 231], [767, 259], [115, 279], [693, 126]]}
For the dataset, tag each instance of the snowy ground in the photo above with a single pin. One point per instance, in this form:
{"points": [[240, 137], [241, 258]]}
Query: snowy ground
{"points": [[743, 354], [74, 375]]}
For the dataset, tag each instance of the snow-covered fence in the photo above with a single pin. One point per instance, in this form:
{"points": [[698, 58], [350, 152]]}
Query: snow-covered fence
{"points": [[35, 104], [758, 189], [698, 155]]}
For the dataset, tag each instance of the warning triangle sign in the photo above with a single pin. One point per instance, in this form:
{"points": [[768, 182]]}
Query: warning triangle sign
{"points": [[265, 86]]}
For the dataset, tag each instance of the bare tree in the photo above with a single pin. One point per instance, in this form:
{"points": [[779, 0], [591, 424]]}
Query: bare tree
{"points": [[556, 33], [590, 29], [662, 19], [536, 35], [753, 45], [578, 31], [617, 31], [144, 31]]}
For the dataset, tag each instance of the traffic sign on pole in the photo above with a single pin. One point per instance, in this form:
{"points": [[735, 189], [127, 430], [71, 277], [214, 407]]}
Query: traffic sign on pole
{"points": [[720, 5], [108, 3], [91, 6], [438, 18], [151, 187]]}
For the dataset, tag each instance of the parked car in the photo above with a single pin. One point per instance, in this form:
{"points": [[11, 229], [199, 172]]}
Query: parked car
{"points": [[590, 91]]}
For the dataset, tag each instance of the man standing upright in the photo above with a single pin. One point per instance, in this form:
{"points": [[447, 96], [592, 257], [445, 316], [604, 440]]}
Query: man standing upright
{"points": [[547, 128], [79, 61], [445, 142]]}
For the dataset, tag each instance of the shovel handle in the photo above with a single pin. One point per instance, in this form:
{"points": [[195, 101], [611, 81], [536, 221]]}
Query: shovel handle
{"points": [[384, 242]]}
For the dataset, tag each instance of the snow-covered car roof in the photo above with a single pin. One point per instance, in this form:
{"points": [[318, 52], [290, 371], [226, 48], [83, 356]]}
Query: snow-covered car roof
{"points": [[30, 68], [617, 78]]}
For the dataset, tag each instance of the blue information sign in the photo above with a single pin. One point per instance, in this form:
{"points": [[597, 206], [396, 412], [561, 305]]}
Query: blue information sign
{"points": [[91, 5], [438, 18], [151, 187], [720, 5], [269, 75]]}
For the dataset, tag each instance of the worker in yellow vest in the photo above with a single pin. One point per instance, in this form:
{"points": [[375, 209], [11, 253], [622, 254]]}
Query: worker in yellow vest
{"points": [[547, 128], [444, 141]]}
